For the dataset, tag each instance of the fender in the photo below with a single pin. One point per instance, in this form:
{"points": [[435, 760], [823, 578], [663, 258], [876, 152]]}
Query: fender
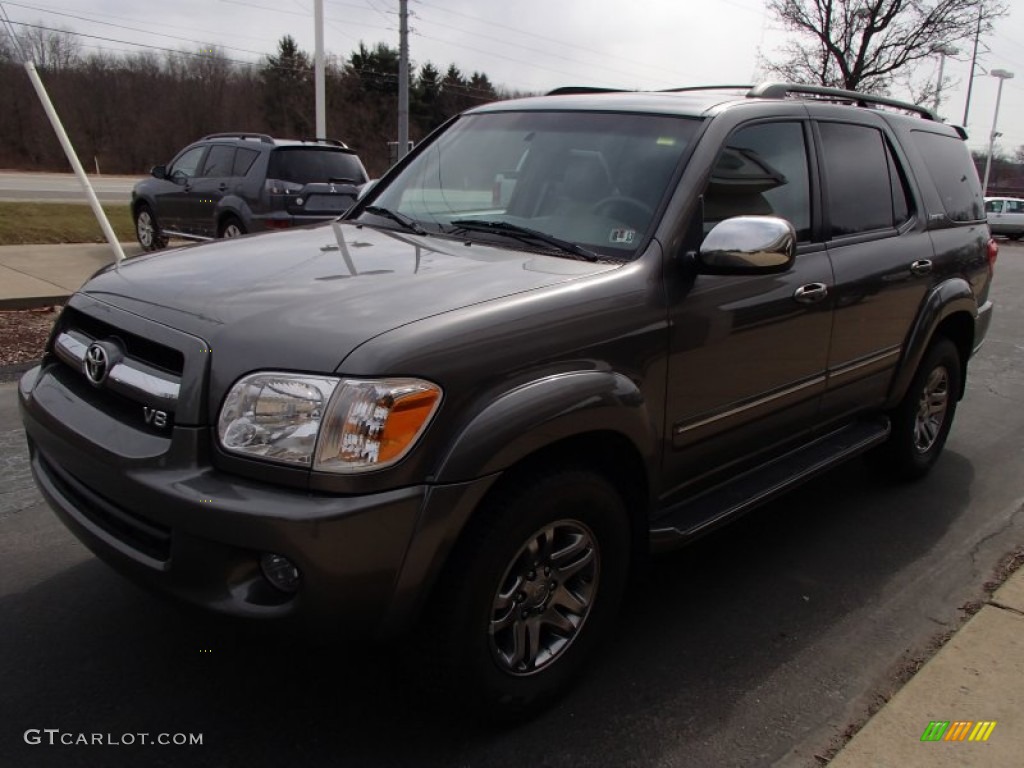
{"points": [[946, 299], [231, 205], [545, 411]]}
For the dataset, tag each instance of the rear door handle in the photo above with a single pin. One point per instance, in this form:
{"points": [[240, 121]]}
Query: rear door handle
{"points": [[222, 187], [811, 293], [921, 267]]}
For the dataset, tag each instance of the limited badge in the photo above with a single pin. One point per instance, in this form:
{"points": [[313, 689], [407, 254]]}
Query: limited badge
{"points": [[622, 236]]}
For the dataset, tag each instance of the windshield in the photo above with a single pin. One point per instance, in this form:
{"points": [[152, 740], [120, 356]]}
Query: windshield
{"points": [[592, 179]]}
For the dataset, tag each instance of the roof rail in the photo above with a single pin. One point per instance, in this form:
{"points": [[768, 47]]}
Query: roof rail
{"points": [[567, 90], [783, 90], [707, 88], [334, 142], [239, 135]]}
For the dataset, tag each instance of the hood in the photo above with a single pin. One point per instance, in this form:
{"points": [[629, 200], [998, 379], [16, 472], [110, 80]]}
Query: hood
{"points": [[303, 299]]}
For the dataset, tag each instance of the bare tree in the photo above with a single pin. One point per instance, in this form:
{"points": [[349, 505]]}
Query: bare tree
{"points": [[866, 45]]}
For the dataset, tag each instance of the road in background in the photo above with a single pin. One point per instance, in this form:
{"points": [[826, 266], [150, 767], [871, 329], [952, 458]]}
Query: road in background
{"points": [[756, 646], [63, 188]]}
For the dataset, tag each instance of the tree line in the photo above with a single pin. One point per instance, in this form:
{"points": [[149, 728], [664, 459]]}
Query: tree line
{"points": [[128, 112]]}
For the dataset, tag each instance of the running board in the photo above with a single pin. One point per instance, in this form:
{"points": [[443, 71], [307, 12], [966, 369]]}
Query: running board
{"points": [[185, 235], [764, 483]]}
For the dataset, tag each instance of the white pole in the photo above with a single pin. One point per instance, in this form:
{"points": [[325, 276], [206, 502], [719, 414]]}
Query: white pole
{"points": [[69, 150], [1003, 75], [318, 68]]}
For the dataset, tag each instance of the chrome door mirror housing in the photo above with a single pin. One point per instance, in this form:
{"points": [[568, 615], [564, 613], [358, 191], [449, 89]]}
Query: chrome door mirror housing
{"points": [[748, 245]]}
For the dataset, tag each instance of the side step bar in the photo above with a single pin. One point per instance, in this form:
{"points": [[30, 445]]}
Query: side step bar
{"points": [[764, 483]]}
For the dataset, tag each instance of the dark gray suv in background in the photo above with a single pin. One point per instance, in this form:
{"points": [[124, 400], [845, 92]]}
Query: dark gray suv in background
{"points": [[228, 184], [562, 333]]}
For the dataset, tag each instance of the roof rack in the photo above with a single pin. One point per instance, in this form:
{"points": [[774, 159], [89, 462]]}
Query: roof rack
{"points": [[746, 87], [784, 90], [239, 135], [333, 142], [567, 90]]}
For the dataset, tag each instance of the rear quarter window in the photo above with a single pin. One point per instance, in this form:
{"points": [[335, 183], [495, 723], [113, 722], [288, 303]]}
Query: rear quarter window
{"points": [[244, 159], [953, 175]]}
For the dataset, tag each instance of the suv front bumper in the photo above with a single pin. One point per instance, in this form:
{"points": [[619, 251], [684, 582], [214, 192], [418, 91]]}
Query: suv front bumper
{"points": [[197, 533]]}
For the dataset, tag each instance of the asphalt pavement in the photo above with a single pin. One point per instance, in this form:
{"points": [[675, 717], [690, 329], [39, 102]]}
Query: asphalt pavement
{"points": [[18, 186], [765, 644]]}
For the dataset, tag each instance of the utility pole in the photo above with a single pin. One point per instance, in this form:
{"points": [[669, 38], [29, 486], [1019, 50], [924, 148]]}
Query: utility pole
{"points": [[403, 79], [974, 61], [320, 83]]}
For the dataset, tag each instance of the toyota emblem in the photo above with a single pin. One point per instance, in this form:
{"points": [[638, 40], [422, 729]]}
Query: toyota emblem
{"points": [[97, 364]]}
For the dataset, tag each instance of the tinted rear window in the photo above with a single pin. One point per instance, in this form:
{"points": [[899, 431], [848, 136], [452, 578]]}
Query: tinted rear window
{"points": [[303, 165], [953, 175]]}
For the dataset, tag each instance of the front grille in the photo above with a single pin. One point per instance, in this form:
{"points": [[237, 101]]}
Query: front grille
{"points": [[145, 536], [136, 347], [135, 371]]}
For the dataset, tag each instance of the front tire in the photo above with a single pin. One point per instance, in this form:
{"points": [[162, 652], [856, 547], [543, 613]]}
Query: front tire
{"points": [[147, 231], [921, 422], [531, 590]]}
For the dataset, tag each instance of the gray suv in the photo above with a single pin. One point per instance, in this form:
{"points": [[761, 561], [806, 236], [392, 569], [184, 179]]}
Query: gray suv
{"points": [[563, 333], [228, 184]]}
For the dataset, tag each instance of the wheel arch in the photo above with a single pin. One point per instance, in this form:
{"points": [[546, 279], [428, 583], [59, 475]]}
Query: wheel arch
{"points": [[949, 310], [585, 431]]}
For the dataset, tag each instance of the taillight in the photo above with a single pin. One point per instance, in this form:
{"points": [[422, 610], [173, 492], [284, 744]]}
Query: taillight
{"points": [[991, 253], [277, 223]]}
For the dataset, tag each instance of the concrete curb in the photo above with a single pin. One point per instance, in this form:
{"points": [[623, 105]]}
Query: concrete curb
{"points": [[32, 302]]}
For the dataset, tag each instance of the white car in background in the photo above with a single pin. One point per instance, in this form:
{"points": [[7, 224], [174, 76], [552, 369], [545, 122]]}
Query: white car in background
{"points": [[1005, 216]]}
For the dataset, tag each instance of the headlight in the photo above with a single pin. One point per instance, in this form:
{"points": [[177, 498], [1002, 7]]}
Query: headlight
{"points": [[348, 425]]}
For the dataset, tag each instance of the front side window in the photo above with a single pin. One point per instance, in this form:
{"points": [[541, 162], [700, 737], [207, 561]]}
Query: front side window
{"points": [[185, 167], [591, 179], [1014, 206], [762, 171]]}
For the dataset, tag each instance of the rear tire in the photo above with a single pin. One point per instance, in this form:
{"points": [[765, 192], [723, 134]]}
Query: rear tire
{"points": [[921, 422], [232, 226], [529, 592], [147, 231]]}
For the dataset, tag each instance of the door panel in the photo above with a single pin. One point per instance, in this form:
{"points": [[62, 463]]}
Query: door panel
{"points": [[882, 259], [748, 353], [746, 367]]}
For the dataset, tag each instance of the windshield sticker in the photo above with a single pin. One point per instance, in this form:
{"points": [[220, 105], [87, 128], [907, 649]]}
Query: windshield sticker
{"points": [[622, 236], [666, 141]]}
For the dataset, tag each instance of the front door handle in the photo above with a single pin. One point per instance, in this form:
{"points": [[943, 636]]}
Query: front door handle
{"points": [[811, 293], [223, 187], [921, 267]]}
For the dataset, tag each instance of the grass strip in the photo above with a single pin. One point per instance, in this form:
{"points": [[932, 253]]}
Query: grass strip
{"points": [[32, 223]]}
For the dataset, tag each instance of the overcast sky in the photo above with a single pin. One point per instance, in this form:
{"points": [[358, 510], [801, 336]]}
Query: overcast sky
{"points": [[533, 45]]}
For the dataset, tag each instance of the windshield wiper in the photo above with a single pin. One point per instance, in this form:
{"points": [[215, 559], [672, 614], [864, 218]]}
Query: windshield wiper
{"points": [[341, 180], [524, 234], [399, 218]]}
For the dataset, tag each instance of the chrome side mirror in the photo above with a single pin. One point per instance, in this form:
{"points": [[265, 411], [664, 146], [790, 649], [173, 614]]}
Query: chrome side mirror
{"points": [[748, 245]]}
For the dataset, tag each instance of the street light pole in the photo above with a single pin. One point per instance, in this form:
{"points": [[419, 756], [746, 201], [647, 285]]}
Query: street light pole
{"points": [[1003, 75], [943, 51]]}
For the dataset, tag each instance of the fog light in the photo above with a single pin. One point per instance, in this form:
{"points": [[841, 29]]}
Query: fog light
{"points": [[281, 572]]}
